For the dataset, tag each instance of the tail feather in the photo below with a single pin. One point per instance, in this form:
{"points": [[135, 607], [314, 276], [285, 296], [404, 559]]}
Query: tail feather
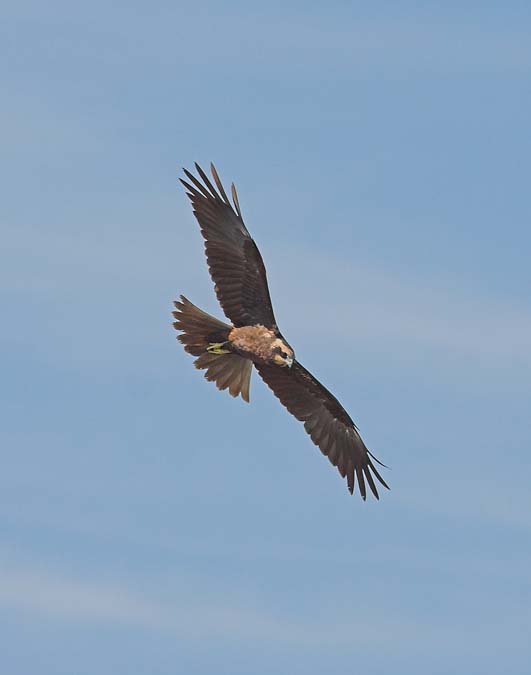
{"points": [[198, 331], [198, 328]]}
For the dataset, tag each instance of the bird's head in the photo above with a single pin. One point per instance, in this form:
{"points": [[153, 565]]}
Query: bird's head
{"points": [[282, 354]]}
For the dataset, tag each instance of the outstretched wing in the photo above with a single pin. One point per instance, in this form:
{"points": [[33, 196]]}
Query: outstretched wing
{"points": [[326, 421], [234, 261]]}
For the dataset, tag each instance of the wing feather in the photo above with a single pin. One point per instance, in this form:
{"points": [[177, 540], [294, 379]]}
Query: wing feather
{"points": [[326, 421], [234, 261]]}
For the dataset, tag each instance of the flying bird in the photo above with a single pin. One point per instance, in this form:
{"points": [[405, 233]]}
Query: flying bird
{"points": [[228, 352]]}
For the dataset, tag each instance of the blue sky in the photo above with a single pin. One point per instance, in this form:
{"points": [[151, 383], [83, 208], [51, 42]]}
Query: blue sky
{"points": [[151, 524]]}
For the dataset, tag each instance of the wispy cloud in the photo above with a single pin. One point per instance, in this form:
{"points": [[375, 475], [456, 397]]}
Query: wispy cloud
{"points": [[391, 46], [40, 594], [56, 597], [352, 42], [365, 305], [482, 501], [359, 303]]}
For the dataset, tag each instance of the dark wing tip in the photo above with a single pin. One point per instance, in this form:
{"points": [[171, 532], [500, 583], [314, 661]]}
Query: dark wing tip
{"points": [[199, 189], [372, 468], [206, 181]]}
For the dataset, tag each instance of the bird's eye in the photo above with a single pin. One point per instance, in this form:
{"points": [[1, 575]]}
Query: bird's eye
{"points": [[283, 354]]}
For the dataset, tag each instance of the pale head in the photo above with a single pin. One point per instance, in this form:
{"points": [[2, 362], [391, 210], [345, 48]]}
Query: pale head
{"points": [[282, 353]]}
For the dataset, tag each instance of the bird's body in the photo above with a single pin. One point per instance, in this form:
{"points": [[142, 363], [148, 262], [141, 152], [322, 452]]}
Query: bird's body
{"points": [[261, 345], [228, 352]]}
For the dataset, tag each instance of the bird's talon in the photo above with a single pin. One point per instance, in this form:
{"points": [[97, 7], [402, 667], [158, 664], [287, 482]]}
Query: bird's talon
{"points": [[217, 348]]}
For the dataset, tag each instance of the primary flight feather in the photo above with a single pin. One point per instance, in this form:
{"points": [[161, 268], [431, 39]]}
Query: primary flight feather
{"points": [[228, 352]]}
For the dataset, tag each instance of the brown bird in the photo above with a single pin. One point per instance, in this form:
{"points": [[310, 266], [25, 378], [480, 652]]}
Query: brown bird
{"points": [[228, 352]]}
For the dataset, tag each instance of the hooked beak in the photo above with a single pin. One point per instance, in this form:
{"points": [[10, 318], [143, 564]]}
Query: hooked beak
{"points": [[289, 361]]}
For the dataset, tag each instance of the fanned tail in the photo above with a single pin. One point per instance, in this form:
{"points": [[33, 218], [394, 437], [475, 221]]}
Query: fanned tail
{"points": [[201, 331]]}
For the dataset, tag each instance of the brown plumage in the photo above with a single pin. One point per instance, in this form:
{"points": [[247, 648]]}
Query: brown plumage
{"points": [[228, 352], [199, 330]]}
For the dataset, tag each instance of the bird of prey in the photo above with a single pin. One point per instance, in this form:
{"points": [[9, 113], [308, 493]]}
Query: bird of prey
{"points": [[227, 352]]}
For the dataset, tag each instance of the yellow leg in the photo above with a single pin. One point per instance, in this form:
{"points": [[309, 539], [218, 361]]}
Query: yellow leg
{"points": [[217, 348]]}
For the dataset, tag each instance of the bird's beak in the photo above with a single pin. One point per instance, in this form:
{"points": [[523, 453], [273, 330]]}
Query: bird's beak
{"points": [[289, 361]]}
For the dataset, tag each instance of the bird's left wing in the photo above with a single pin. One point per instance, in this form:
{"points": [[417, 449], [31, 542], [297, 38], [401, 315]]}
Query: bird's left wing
{"points": [[326, 421], [234, 261]]}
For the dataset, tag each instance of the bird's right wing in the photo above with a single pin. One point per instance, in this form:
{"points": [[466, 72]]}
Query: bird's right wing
{"points": [[234, 261], [326, 421]]}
